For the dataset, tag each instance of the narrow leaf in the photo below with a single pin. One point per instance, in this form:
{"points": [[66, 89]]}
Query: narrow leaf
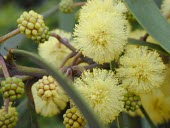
{"points": [[149, 16]]}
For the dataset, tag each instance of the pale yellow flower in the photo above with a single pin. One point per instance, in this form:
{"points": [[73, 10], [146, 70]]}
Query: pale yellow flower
{"points": [[101, 37], [50, 107], [97, 6], [102, 30], [141, 70], [165, 9], [157, 105], [101, 91], [52, 51]]}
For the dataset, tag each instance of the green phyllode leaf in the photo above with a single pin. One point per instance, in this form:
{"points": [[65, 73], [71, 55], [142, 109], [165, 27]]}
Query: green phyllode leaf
{"points": [[150, 18]]}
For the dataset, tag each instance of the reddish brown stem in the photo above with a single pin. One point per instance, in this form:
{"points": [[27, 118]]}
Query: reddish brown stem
{"points": [[9, 35], [91, 66], [78, 55], [4, 68], [144, 38], [6, 74], [79, 61], [6, 104], [64, 41], [78, 4], [67, 58], [78, 68]]}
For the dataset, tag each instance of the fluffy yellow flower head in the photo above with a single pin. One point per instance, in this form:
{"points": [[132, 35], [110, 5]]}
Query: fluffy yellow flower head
{"points": [[157, 106], [103, 35], [97, 6], [53, 51], [165, 9], [50, 107], [101, 91], [141, 70]]}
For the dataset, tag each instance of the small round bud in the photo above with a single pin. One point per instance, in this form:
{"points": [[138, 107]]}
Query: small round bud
{"points": [[73, 119], [42, 35], [66, 6]]}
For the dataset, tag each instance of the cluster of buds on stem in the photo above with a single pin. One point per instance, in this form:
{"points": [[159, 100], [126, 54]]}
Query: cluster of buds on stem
{"points": [[66, 6], [132, 102], [12, 88], [32, 25], [72, 119], [8, 119], [47, 88]]}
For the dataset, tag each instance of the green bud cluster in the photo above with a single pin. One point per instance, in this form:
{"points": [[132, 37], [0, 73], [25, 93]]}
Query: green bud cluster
{"points": [[12, 88], [47, 88], [72, 119], [32, 25], [132, 102], [66, 6], [8, 119]]}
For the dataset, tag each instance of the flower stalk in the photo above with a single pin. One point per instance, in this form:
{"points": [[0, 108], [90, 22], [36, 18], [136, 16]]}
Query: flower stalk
{"points": [[78, 4], [9, 35], [63, 41], [6, 74]]}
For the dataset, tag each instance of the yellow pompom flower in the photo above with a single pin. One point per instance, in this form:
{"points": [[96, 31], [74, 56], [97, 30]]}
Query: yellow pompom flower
{"points": [[49, 107], [141, 70], [101, 91], [102, 34], [157, 105], [165, 9], [52, 51], [97, 6]]}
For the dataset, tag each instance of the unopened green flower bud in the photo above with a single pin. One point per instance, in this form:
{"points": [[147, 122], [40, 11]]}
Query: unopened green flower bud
{"points": [[132, 102], [11, 87], [8, 119], [46, 88], [66, 6], [32, 25]]}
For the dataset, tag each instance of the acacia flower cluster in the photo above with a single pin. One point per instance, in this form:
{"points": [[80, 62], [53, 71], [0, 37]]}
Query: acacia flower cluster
{"points": [[49, 98], [141, 70], [102, 30], [101, 91]]}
